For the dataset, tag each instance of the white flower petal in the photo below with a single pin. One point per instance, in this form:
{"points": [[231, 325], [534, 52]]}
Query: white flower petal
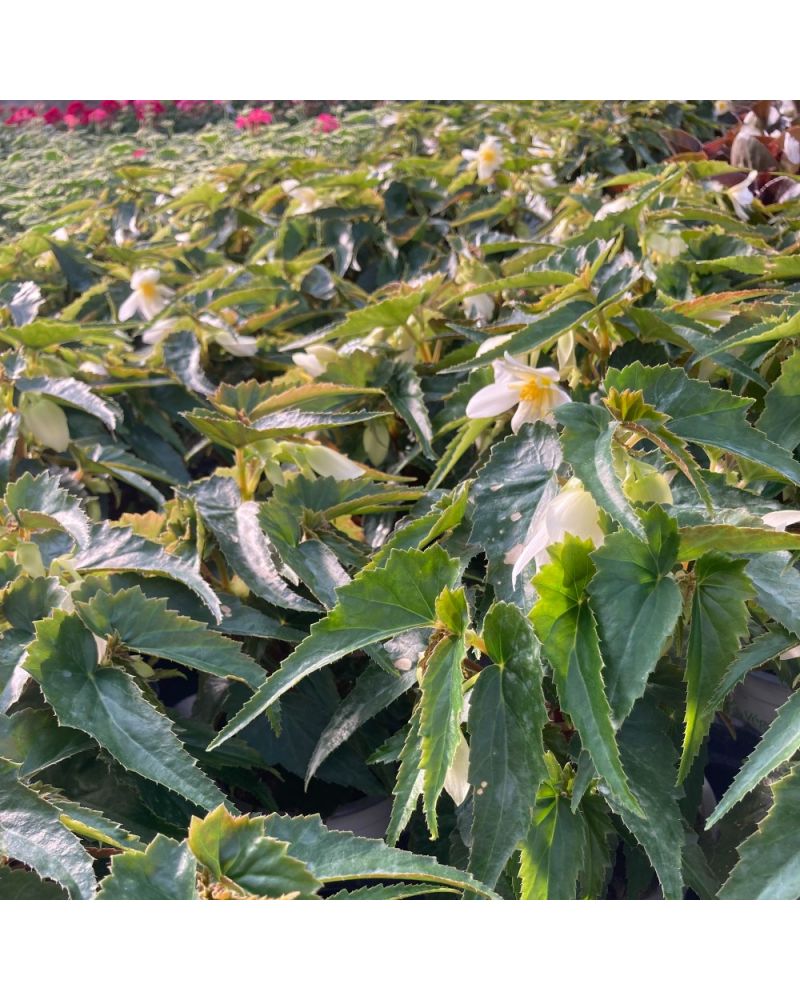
{"points": [[129, 307], [781, 518], [491, 401], [456, 782]]}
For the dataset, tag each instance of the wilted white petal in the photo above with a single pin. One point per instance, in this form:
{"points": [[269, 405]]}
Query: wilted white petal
{"points": [[238, 346], [456, 782], [781, 518], [26, 302], [491, 342], [327, 462]]}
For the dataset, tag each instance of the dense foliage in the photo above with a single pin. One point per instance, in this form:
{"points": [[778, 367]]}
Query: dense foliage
{"points": [[446, 457]]}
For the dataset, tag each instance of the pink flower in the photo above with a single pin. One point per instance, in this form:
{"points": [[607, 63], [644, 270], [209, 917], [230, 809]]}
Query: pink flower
{"points": [[72, 120], [112, 107], [98, 116], [78, 111], [139, 153], [52, 116], [258, 116], [328, 123], [148, 109], [20, 115]]}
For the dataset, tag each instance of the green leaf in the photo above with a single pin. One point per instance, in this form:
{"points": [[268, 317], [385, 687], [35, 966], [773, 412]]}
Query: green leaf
{"points": [[236, 527], [506, 756], [698, 539], [408, 784], [519, 475], [19, 883], [777, 584], [769, 860], [780, 418], [544, 329], [587, 440], [374, 690], [334, 856], [763, 648], [105, 703], [31, 832], [440, 719], [235, 849], [74, 393], [39, 503], [119, 550], [400, 890], [778, 744], [33, 739], [719, 622], [650, 759], [404, 392], [637, 603], [90, 824], [565, 625], [148, 626], [166, 870], [9, 434], [376, 605], [703, 414], [553, 851], [181, 353]]}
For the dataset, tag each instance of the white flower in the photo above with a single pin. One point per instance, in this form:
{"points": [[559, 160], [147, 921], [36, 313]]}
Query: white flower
{"points": [[327, 462], [456, 781], [534, 391], [488, 156], [160, 329], [479, 307], [44, 420], [315, 360], [60, 235], [148, 298], [304, 199], [26, 302], [571, 512], [236, 344], [741, 196]]}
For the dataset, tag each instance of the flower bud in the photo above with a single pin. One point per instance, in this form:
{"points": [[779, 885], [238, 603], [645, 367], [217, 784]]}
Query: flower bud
{"points": [[45, 421]]}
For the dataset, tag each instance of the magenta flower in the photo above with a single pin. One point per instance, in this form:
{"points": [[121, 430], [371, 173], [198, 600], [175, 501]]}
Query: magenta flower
{"points": [[328, 123], [52, 116], [98, 116], [139, 153], [256, 117], [20, 115]]}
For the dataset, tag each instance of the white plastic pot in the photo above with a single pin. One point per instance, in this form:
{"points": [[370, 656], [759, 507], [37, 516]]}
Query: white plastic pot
{"points": [[368, 817], [757, 699]]}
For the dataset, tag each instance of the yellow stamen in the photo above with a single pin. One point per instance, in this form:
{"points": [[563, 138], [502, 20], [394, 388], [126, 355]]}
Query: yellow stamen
{"points": [[148, 290], [535, 389]]}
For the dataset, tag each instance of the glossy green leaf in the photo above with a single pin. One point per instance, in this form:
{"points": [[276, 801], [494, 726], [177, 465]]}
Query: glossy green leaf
{"points": [[566, 628], [166, 870], [719, 622], [39, 503], [780, 418], [637, 603], [376, 605], [105, 703], [506, 763]]}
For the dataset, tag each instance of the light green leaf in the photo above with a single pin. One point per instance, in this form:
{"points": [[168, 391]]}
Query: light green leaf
{"points": [[400, 890], [408, 784], [235, 849], [777, 584], [166, 870], [565, 625], [39, 503], [506, 756], [553, 852], [74, 393], [376, 605], [637, 603], [105, 703], [704, 414], [719, 622], [698, 539], [440, 719]]}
